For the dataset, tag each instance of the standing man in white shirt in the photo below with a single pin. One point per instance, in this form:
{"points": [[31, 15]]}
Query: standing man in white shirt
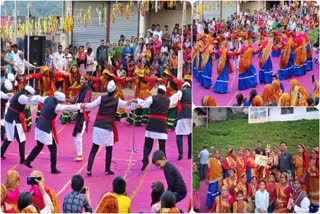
{"points": [[15, 52], [158, 32], [59, 64], [21, 64], [204, 156]]}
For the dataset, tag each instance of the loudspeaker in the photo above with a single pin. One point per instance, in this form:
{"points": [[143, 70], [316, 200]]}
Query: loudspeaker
{"points": [[37, 49]]}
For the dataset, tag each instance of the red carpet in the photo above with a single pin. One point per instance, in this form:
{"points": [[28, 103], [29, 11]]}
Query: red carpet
{"points": [[124, 163], [230, 98]]}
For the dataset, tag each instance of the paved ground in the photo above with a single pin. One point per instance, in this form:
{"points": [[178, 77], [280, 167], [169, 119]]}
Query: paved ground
{"points": [[230, 98], [124, 163]]}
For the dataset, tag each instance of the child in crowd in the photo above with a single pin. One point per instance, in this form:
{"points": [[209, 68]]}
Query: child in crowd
{"points": [[174, 179]]}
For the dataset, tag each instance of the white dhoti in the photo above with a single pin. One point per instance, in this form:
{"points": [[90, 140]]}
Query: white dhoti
{"points": [[156, 135], [184, 126], [102, 137], [43, 137], [10, 128]]}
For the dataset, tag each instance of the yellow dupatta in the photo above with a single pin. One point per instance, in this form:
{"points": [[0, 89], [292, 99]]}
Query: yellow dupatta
{"points": [[284, 59], [300, 54], [205, 56], [222, 61], [265, 54], [245, 60]]}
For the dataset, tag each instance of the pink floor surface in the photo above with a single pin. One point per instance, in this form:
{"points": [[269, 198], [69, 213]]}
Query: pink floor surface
{"points": [[124, 163], [230, 98]]}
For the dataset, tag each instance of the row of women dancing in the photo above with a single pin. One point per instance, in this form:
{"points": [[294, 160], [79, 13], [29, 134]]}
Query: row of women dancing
{"points": [[294, 50]]}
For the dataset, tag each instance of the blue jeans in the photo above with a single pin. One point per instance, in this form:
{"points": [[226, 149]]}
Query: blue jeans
{"points": [[203, 171]]}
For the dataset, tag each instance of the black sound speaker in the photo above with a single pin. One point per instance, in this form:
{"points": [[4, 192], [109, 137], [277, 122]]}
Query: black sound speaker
{"points": [[37, 49]]}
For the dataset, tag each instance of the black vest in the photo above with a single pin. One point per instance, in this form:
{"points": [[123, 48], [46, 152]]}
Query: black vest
{"points": [[296, 195], [3, 101], [48, 112], [160, 106], [186, 99], [108, 108], [11, 115]]}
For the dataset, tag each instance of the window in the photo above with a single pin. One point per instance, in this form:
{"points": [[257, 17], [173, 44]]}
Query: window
{"points": [[287, 110], [309, 109]]}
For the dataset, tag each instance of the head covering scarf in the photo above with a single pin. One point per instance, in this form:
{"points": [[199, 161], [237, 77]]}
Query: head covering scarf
{"points": [[284, 100], [306, 160], [208, 101], [257, 101], [267, 94], [277, 92], [13, 180], [108, 204]]}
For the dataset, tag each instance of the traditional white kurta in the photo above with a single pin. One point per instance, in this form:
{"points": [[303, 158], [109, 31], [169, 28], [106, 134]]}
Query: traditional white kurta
{"points": [[10, 127], [104, 137], [261, 201], [146, 104], [184, 125], [44, 137]]}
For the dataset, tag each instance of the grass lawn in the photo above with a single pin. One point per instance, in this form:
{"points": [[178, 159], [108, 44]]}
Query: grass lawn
{"points": [[237, 132]]}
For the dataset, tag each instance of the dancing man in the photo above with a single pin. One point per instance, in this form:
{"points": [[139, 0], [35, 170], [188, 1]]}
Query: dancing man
{"points": [[15, 123], [105, 131], [46, 133]]}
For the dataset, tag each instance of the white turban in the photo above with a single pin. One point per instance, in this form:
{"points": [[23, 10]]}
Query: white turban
{"points": [[111, 86], [60, 96], [8, 85], [162, 87], [10, 77], [29, 89]]}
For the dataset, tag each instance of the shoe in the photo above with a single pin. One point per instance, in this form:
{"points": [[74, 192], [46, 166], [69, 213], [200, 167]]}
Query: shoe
{"points": [[180, 157], [109, 173], [55, 171], [27, 164], [3, 157], [89, 173], [78, 158]]}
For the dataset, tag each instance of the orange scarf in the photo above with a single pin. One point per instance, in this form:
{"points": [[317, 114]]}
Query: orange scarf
{"points": [[300, 55], [284, 100], [267, 94], [245, 60], [206, 55], [286, 54], [277, 92], [265, 54], [222, 61], [257, 101]]}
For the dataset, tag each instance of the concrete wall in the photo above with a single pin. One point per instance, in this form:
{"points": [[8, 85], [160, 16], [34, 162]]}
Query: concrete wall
{"points": [[166, 17], [256, 5], [299, 113], [217, 114]]}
